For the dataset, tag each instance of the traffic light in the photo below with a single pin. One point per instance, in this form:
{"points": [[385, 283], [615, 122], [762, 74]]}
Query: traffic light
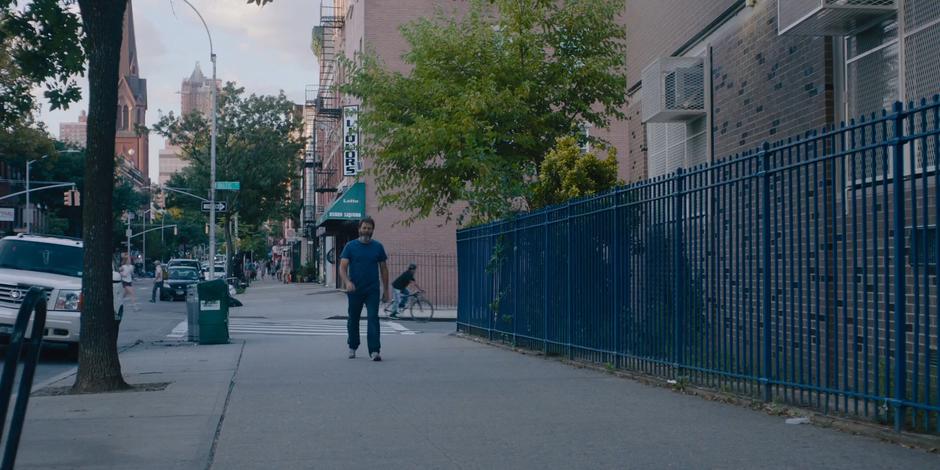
{"points": [[71, 197]]}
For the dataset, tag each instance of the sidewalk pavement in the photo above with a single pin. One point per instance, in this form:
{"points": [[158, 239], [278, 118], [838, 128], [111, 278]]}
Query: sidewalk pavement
{"points": [[436, 401]]}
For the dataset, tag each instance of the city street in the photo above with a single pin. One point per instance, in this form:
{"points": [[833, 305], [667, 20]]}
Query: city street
{"points": [[152, 322], [283, 395]]}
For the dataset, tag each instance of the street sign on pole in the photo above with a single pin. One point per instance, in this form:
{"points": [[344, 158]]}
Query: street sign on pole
{"points": [[220, 206], [228, 185], [7, 214]]}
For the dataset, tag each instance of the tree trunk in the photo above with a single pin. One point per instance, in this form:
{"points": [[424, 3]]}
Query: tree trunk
{"points": [[99, 368]]}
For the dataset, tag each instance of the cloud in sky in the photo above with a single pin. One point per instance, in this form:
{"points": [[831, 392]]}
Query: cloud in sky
{"points": [[267, 49]]}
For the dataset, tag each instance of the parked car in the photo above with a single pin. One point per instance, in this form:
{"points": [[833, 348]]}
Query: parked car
{"points": [[189, 263], [178, 279], [55, 265], [219, 272]]}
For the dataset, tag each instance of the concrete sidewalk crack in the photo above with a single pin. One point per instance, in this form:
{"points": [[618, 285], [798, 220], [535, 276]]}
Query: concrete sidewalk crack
{"points": [[228, 397]]}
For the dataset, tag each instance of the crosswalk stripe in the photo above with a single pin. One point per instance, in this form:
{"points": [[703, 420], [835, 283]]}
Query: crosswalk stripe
{"points": [[295, 328]]}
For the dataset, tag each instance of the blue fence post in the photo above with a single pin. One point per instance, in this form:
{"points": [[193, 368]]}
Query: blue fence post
{"points": [[514, 279], [616, 257], [900, 287], [678, 207], [545, 283], [765, 171], [494, 283], [568, 279]]}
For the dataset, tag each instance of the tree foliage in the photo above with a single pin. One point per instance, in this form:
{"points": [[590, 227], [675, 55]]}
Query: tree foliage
{"points": [[41, 43], [485, 99], [568, 172], [258, 140]]}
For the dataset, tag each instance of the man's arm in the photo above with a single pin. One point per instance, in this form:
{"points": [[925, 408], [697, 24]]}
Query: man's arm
{"points": [[383, 270], [343, 268]]}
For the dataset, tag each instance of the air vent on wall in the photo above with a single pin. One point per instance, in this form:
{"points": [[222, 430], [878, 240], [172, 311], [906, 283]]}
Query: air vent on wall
{"points": [[673, 89]]}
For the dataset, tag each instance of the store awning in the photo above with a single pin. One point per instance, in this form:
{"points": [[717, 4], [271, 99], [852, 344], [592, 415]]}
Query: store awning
{"points": [[351, 205]]}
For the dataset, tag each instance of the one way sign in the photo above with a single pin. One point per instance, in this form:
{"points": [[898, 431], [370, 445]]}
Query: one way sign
{"points": [[219, 206]]}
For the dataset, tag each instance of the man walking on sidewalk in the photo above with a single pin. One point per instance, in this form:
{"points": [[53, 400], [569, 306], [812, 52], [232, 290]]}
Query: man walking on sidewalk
{"points": [[157, 281], [361, 262]]}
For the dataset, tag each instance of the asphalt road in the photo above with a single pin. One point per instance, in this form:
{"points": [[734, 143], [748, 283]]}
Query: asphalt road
{"points": [[152, 322]]}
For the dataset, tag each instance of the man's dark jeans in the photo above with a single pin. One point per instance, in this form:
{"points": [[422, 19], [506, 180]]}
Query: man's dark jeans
{"points": [[156, 291], [369, 298]]}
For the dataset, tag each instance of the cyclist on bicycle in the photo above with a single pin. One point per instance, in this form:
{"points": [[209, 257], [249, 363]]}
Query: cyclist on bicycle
{"points": [[400, 286]]}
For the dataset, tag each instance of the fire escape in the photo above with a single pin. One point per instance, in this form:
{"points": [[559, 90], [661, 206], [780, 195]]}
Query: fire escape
{"points": [[322, 113]]}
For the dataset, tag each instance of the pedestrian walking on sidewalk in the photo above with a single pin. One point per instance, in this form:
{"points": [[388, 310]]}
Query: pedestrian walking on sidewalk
{"points": [[361, 263], [127, 280], [157, 281]]}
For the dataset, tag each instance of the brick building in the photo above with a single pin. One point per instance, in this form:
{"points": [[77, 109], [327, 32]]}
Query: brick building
{"points": [[714, 80], [348, 27]]}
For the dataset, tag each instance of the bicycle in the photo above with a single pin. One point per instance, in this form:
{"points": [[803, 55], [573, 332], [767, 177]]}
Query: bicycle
{"points": [[418, 306]]}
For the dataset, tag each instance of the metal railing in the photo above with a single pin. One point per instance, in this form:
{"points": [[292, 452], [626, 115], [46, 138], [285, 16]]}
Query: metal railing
{"points": [[803, 272], [34, 301]]}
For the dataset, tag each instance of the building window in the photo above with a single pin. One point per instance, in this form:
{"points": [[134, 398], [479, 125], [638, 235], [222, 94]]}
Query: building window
{"points": [[674, 145], [895, 60], [584, 136], [124, 118], [923, 244]]}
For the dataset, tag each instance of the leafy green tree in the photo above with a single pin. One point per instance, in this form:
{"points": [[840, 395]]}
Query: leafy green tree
{"points": [[485, 99], [567, 172], [39, 45], [258, 140]]}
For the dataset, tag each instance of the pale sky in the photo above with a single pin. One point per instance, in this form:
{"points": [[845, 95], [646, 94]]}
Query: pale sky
{"points": [[262, 49]]}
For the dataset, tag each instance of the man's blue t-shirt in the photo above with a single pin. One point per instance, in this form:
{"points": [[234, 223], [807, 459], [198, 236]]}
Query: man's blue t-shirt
{"points": [[364, 259]]}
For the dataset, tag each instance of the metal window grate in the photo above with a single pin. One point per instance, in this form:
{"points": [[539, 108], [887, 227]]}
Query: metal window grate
{"points": [[918, 13], [830, 17]]}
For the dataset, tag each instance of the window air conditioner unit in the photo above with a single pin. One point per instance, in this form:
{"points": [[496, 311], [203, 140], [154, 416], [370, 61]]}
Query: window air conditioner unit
{"points": [[673, 89], [831, 17]]}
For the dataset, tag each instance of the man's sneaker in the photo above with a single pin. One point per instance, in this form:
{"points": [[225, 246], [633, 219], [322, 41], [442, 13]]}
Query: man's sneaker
{"points": [[375, 356], [393, 315], [352, 353]]}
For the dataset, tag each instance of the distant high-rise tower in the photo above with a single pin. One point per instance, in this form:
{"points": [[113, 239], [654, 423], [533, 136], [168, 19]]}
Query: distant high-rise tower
{"points": [[195, 93], [74, 133]]}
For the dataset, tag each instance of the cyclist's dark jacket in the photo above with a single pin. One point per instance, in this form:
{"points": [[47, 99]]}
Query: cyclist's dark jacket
{"points": [[402, 281]]}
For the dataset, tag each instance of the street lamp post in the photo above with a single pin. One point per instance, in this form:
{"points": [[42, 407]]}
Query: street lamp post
{"points": [[143, 238], [212, 93], [28, 212]]}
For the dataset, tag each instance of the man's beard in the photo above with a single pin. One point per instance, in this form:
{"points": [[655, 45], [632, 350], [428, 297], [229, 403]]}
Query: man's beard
{"points": [[365, 238]]}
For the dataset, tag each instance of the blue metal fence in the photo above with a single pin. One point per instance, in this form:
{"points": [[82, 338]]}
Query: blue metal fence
{"points": [[804, 272]]}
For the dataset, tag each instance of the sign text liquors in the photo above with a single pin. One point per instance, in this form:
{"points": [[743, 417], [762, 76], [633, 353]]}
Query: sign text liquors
{"points": [[350, 140]]}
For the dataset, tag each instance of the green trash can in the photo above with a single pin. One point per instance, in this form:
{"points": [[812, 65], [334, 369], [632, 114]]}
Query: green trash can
{"points": [[213, 312]]}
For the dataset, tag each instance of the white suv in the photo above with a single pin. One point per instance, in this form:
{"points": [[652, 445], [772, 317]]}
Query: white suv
{"points": [[55, 264]]}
